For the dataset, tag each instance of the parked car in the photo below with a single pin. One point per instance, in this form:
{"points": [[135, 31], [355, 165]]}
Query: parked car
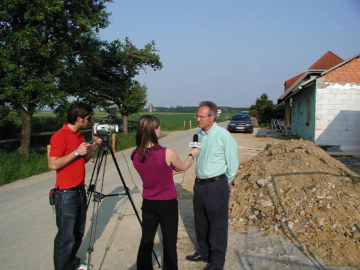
{"points": [[240, 122]]}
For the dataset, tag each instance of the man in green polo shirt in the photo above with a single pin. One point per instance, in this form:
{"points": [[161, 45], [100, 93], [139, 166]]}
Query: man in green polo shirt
{"points": [[216, 166]]}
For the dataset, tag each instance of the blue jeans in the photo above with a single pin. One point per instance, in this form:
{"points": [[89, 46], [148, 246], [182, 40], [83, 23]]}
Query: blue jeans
{"points": [[70, 209]]}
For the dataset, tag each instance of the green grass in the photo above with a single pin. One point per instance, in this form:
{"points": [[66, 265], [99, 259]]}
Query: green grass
{"points": [[15, 166], [175, 121]]}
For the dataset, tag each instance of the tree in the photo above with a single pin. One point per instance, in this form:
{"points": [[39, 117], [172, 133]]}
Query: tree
{"points": [[133, 101], [260, 102], [105, 77], [38, 40], [266, 109]]}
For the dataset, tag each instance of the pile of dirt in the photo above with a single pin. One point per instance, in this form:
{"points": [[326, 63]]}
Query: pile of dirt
{"points": [[297, 189]]}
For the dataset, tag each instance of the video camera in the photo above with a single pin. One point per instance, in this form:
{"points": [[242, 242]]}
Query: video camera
{"points": [[101, 130]]}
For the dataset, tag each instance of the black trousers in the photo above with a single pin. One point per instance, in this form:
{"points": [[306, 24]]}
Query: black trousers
{"points": [[211, 203], [165, 213]]}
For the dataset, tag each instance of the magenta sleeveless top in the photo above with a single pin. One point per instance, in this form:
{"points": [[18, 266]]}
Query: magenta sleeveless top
{"points": [[156, 175]]}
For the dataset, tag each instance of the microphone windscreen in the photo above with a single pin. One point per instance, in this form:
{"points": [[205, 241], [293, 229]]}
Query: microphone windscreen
{"points": [[196, 138]]}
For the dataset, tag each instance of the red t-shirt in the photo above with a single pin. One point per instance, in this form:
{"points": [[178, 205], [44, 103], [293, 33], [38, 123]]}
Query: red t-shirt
{"points": [[63, 142]]}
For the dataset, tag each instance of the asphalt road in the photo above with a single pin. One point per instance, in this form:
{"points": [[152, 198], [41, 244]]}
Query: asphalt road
{"points": [[28, 221]]}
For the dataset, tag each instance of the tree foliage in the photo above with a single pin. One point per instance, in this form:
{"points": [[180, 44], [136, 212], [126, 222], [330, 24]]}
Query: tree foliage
{"points": [[133, 101], [265, 109], [39, 40], [105, 77]]}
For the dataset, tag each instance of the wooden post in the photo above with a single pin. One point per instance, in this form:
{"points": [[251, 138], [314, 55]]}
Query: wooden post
{"points": [[184, 124], [113, 142], [48, 153], [190, 125]]}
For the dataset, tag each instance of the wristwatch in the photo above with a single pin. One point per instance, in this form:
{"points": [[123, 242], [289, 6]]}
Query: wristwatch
{"points": [[76, 153]]}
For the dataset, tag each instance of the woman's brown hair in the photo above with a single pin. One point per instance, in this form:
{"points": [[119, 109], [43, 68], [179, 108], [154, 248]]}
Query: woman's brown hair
{"points": [[145, 135]]}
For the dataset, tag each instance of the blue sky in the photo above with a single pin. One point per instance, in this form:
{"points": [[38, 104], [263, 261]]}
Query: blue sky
{"points": [[232, 51]]}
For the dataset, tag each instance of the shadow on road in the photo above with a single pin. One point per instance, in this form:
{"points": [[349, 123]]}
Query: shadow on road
{"points": [[186, 212], [110, 210]]}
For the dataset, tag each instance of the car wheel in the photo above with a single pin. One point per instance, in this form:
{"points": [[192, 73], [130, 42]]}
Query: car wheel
{"points": [[251, 130]]}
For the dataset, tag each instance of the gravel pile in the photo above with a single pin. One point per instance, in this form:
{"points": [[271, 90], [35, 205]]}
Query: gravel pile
{"points": [[296, 189]]}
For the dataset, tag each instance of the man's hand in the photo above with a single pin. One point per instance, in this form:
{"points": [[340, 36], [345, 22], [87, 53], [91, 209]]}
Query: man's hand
{"points": [[96, 140], [83, 148]]}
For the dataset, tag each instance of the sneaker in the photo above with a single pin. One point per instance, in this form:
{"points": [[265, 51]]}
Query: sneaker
{"points": [[83, 267]]}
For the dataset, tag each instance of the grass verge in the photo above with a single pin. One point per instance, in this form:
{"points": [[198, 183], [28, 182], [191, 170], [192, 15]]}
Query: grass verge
{"points": [[15, 166]]}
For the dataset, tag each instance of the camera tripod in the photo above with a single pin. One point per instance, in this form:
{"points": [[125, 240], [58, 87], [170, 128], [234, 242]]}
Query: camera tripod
{"points": [[100, 161]]}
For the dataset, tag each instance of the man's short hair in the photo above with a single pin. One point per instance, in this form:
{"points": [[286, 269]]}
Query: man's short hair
{"points": [[78, 109], [212, 107]]}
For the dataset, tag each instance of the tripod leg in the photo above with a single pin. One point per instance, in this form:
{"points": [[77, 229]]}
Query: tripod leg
{"points": [[97, 197], [97, 166], [129, 196]]}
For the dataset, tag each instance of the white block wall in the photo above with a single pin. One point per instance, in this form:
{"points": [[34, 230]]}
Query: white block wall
{"points": [[337, 118]]}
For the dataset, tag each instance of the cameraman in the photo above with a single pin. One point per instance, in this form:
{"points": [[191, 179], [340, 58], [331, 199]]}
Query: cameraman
{"points": [[68, 154]]}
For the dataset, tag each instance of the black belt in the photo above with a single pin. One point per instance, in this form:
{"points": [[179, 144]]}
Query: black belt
{"points": [[79, 187], [212, 179]]}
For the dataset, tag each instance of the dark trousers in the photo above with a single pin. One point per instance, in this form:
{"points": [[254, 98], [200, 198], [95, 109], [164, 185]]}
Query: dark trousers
{"points": [[211, 202], [165, 213], [70, 209]]}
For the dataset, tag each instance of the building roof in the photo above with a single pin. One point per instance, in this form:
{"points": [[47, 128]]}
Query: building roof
{"points": [[291, 81], [304, 84], [325, 62], [328, 60]]}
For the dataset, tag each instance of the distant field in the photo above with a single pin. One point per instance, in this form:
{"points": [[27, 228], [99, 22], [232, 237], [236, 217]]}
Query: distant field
{"points": [[15, 166], [173, 121], [169, 121]]}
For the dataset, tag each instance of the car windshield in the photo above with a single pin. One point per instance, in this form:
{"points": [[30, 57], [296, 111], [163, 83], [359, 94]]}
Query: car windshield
{"points": [[240, 117]]}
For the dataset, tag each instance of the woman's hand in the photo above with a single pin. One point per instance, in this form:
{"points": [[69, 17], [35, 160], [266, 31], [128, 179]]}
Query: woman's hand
{"points": [[195, 151]]}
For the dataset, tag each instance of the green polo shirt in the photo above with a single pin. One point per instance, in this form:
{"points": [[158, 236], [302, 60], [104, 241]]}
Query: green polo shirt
{"points": [[218, 154]]}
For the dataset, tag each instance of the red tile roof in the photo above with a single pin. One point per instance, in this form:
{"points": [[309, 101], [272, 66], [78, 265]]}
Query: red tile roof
{"points": [[325, 62], [291, 81], [328, 60]]}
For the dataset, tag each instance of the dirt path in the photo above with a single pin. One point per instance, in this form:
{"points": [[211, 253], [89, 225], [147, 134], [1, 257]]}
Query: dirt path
{"points": [[249, 248], [28, 222]]}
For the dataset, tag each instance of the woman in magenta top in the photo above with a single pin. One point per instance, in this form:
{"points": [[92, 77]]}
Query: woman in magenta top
{"points": [[155, 165]]}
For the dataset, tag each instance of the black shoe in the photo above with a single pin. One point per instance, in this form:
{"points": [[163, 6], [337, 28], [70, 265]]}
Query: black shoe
{"points": [[196, 257], [76, 262], [210, 266]]}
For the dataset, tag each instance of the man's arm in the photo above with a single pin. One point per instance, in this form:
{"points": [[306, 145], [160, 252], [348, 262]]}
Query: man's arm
{"points": [[232, 157], [56, 163]]}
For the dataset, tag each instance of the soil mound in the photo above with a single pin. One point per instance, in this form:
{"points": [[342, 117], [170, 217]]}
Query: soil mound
{"points": [[297, 189]]}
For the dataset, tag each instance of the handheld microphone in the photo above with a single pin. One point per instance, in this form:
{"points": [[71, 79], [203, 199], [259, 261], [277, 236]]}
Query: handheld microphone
{"points": [[195, 142]]}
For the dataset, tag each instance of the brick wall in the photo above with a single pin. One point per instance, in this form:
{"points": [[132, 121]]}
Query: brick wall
{"points": [[348, 73]]}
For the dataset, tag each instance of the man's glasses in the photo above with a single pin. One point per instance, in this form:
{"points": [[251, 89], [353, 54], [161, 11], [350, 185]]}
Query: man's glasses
{"points": [[201, 116]]}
